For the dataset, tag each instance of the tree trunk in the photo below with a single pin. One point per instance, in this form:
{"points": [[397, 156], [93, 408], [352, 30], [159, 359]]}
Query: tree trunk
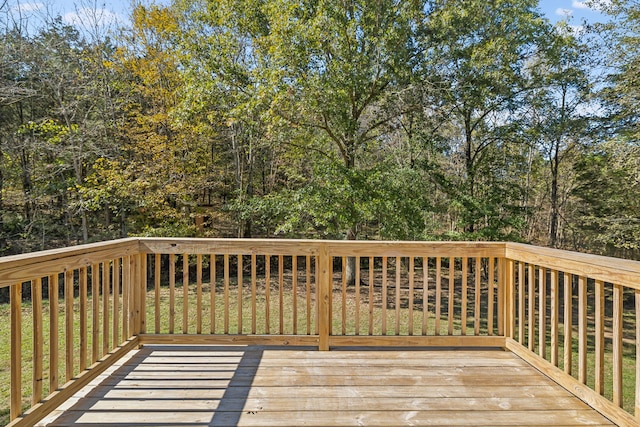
{"points": [[3, 240], [350, 274], [554, 215], [469, 227]]}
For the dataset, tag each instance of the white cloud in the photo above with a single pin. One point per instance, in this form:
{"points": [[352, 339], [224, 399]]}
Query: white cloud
{"points": [[564, 12], [91, 17], [580, 5], [28, 7]]}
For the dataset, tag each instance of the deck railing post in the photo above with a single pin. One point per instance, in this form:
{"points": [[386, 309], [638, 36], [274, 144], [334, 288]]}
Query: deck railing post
{"points": [[16, 351], [509, 297], [142, 262], [132, 296], [324, 295], [138, 290]]}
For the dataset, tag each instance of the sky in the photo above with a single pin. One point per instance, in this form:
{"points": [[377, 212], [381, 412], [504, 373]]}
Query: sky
{"points": [[109, 11], [574, 11]]}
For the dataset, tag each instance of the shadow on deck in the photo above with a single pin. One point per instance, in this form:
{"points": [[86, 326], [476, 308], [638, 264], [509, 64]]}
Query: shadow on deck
{"points": [[163, 385]]}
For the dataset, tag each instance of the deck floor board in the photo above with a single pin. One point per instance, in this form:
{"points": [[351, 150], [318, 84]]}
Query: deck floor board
{"points": [[270, 386]]}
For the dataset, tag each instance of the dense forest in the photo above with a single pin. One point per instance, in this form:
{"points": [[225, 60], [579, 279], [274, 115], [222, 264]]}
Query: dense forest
{"points": [[356, 119]]}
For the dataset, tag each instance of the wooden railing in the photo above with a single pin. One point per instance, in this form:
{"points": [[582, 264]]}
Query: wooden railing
{"points": [[576, 317], [572, 316]]}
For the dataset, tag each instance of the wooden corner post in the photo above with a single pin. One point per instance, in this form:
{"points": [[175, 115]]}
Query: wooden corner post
{"points": [[509, 297], [16, 351], [324, 294]]}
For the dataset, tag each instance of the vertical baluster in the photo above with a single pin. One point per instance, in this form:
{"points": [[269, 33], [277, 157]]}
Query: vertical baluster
{"points": [[501, 290], [134, 294], [452, 273], [542, 307], [384, 295], [226, 293], [38, 340], [555, 293], [398, 265], [521, 293], [95, 312], [185, 293], [568, 324], [82, 284], [240, 297], [371, 293], [142, 258], [294, 291], [308, 292], [69, 315], [198, 293], [330, 290], [54, 332], [425, 294], [212, 294], [156, 279], [618, 307], [116, 302], [16, 351], [599, 338], [411, 287], [490, 295], [532, 307], [357, 329], [316, 279], [344, 296], [267, 294], [465, 291], [582, 329], [476, 304], [172, 293], [254, 280], [106, 335], [126, 295], [281, 294], [438, 294]]}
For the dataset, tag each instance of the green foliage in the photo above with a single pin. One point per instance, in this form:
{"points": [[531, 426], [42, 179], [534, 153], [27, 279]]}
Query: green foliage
{"points": [[610, 224], [365, 119]]}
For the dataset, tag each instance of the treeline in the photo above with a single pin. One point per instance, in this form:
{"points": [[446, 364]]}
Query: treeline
{"points": [[358, 119]]}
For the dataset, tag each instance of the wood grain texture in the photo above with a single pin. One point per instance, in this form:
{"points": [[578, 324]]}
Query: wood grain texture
{"points": [[615, 270], [586, 394], [21, 268], [255, 385]]}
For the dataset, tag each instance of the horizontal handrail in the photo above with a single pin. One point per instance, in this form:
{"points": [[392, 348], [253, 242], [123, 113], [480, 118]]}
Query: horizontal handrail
{"points": [[614, 270], [24, 267]]}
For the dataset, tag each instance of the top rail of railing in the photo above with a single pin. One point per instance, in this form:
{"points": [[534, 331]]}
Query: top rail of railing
{"points": [[16, 268], [19, 268], [613, 270]]}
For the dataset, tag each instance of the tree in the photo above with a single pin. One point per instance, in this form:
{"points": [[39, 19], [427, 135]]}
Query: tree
{"points": [[608, 172], [157, 164], [476, 57], [558, 113]]}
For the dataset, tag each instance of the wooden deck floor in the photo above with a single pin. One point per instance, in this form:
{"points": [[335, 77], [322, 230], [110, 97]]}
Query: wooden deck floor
{"points": [[268, 386]]}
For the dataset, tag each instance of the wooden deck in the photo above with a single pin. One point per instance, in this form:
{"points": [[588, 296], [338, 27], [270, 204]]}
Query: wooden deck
{"points": [[277, 386]]}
